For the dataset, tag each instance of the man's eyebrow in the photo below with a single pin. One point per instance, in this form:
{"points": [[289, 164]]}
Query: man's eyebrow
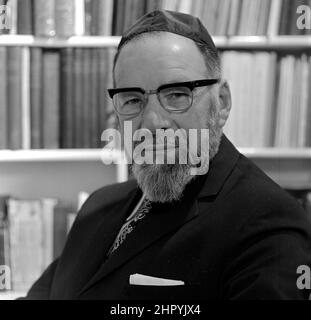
{"points": [[176, 80]]}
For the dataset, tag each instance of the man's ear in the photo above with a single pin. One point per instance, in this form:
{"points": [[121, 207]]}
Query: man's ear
{"points": [[225, 102]]}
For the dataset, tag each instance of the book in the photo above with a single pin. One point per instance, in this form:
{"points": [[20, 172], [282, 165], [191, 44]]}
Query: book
{"points": [[234, 17], [5, 18], [67, 107], [274, 17], [48, 207], [105, 14], [64, 17], [285, 17], [25, 242], [12, 5], [308, 124], [36, 98], [94, 107], [303, 115], [4, 243], [103, 76], [79, 18], [14, 98], [44, 18], [3, 100], [51, 66], [78, 97], [24, 17], [25, 98], [86, 112], [88, 17]]}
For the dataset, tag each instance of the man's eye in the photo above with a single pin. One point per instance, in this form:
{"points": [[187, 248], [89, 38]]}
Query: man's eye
{"points": [[133, 101], [176, 95]]}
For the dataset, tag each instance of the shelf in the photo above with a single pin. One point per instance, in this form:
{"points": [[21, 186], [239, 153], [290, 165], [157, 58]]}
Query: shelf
{"points": [[99, 154], [277, 153], [11, 295], [264, 43], [58, 155], [222, 42], [75, 41]]}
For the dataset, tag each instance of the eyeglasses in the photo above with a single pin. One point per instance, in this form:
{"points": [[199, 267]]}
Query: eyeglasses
{"points": [[173, 97]]}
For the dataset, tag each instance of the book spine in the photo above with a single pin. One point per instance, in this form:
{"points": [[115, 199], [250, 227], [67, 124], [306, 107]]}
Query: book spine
{"points": [[24, 17], [25, 101], [3, 100], [4, 236], [12, 4], [105, 14], [79, 18], [25, 242], [44, 15], [78, 97], [14, 65], [36, 98], [64, 18], [94, 99], [51, 99], [48, 207], [67, 109], [88, 17], [86, 98]]}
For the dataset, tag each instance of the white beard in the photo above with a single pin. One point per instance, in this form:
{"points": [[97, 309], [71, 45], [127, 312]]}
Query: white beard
{"points": [[166, 182]]}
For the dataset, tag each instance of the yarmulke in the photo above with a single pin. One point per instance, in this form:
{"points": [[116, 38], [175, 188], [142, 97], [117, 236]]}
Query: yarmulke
{"points": [[170, 21]]}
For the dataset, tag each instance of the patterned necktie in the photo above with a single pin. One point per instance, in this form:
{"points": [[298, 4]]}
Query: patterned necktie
{"points": [[130, 225]]}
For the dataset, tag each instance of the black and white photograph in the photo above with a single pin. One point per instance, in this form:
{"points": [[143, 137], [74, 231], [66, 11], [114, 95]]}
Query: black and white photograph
{"points": [[155, 150]]}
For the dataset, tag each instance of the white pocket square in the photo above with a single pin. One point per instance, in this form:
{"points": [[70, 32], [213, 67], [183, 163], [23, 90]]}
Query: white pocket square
{"points": [[143, 280]]}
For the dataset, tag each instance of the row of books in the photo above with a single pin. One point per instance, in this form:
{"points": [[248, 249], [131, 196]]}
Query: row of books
{"points": [[64, 18], [54, 98], [58, 98], [32, 234], [271, 99]]}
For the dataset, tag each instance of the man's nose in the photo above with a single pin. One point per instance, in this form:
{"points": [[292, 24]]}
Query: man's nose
{"points": [[155, 116]]}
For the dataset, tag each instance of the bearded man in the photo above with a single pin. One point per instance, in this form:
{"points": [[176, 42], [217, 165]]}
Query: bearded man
{"points": [[228, 232]]}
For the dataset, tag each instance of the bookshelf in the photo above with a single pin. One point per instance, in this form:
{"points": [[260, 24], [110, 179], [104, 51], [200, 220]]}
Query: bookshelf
{"points": [[263, 156], [222, 42], [62, 173]]}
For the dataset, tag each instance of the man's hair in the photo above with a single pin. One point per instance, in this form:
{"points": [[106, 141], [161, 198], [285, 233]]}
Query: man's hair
{"points": [[211, 58]]}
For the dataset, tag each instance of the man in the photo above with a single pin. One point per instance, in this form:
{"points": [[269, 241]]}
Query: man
{"points": [[228, 232]]}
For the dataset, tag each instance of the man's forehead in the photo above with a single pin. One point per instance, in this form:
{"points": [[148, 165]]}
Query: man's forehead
{"points": [[159, 39], [154, 46], [165, 54]]}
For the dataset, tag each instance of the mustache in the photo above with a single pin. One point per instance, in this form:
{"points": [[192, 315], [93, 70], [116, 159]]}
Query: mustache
{"points": [[157, 141]]}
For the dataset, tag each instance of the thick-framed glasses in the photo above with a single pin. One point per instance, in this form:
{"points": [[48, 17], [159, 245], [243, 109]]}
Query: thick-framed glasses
{"points": [[174, 97]]}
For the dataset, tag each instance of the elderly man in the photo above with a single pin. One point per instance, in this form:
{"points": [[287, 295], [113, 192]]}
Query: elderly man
{"points": [[228, 232]]}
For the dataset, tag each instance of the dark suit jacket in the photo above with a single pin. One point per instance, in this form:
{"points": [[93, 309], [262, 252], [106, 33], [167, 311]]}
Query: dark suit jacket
{"points": [[235, 235]]}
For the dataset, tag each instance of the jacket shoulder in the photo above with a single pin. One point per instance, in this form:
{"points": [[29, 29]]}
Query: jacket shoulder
{"points": [[258, 197], [108, 195]]}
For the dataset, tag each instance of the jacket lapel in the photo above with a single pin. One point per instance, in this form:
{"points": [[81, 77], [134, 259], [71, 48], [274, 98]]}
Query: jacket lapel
{"points": [[151, 229], [96, 237]]}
